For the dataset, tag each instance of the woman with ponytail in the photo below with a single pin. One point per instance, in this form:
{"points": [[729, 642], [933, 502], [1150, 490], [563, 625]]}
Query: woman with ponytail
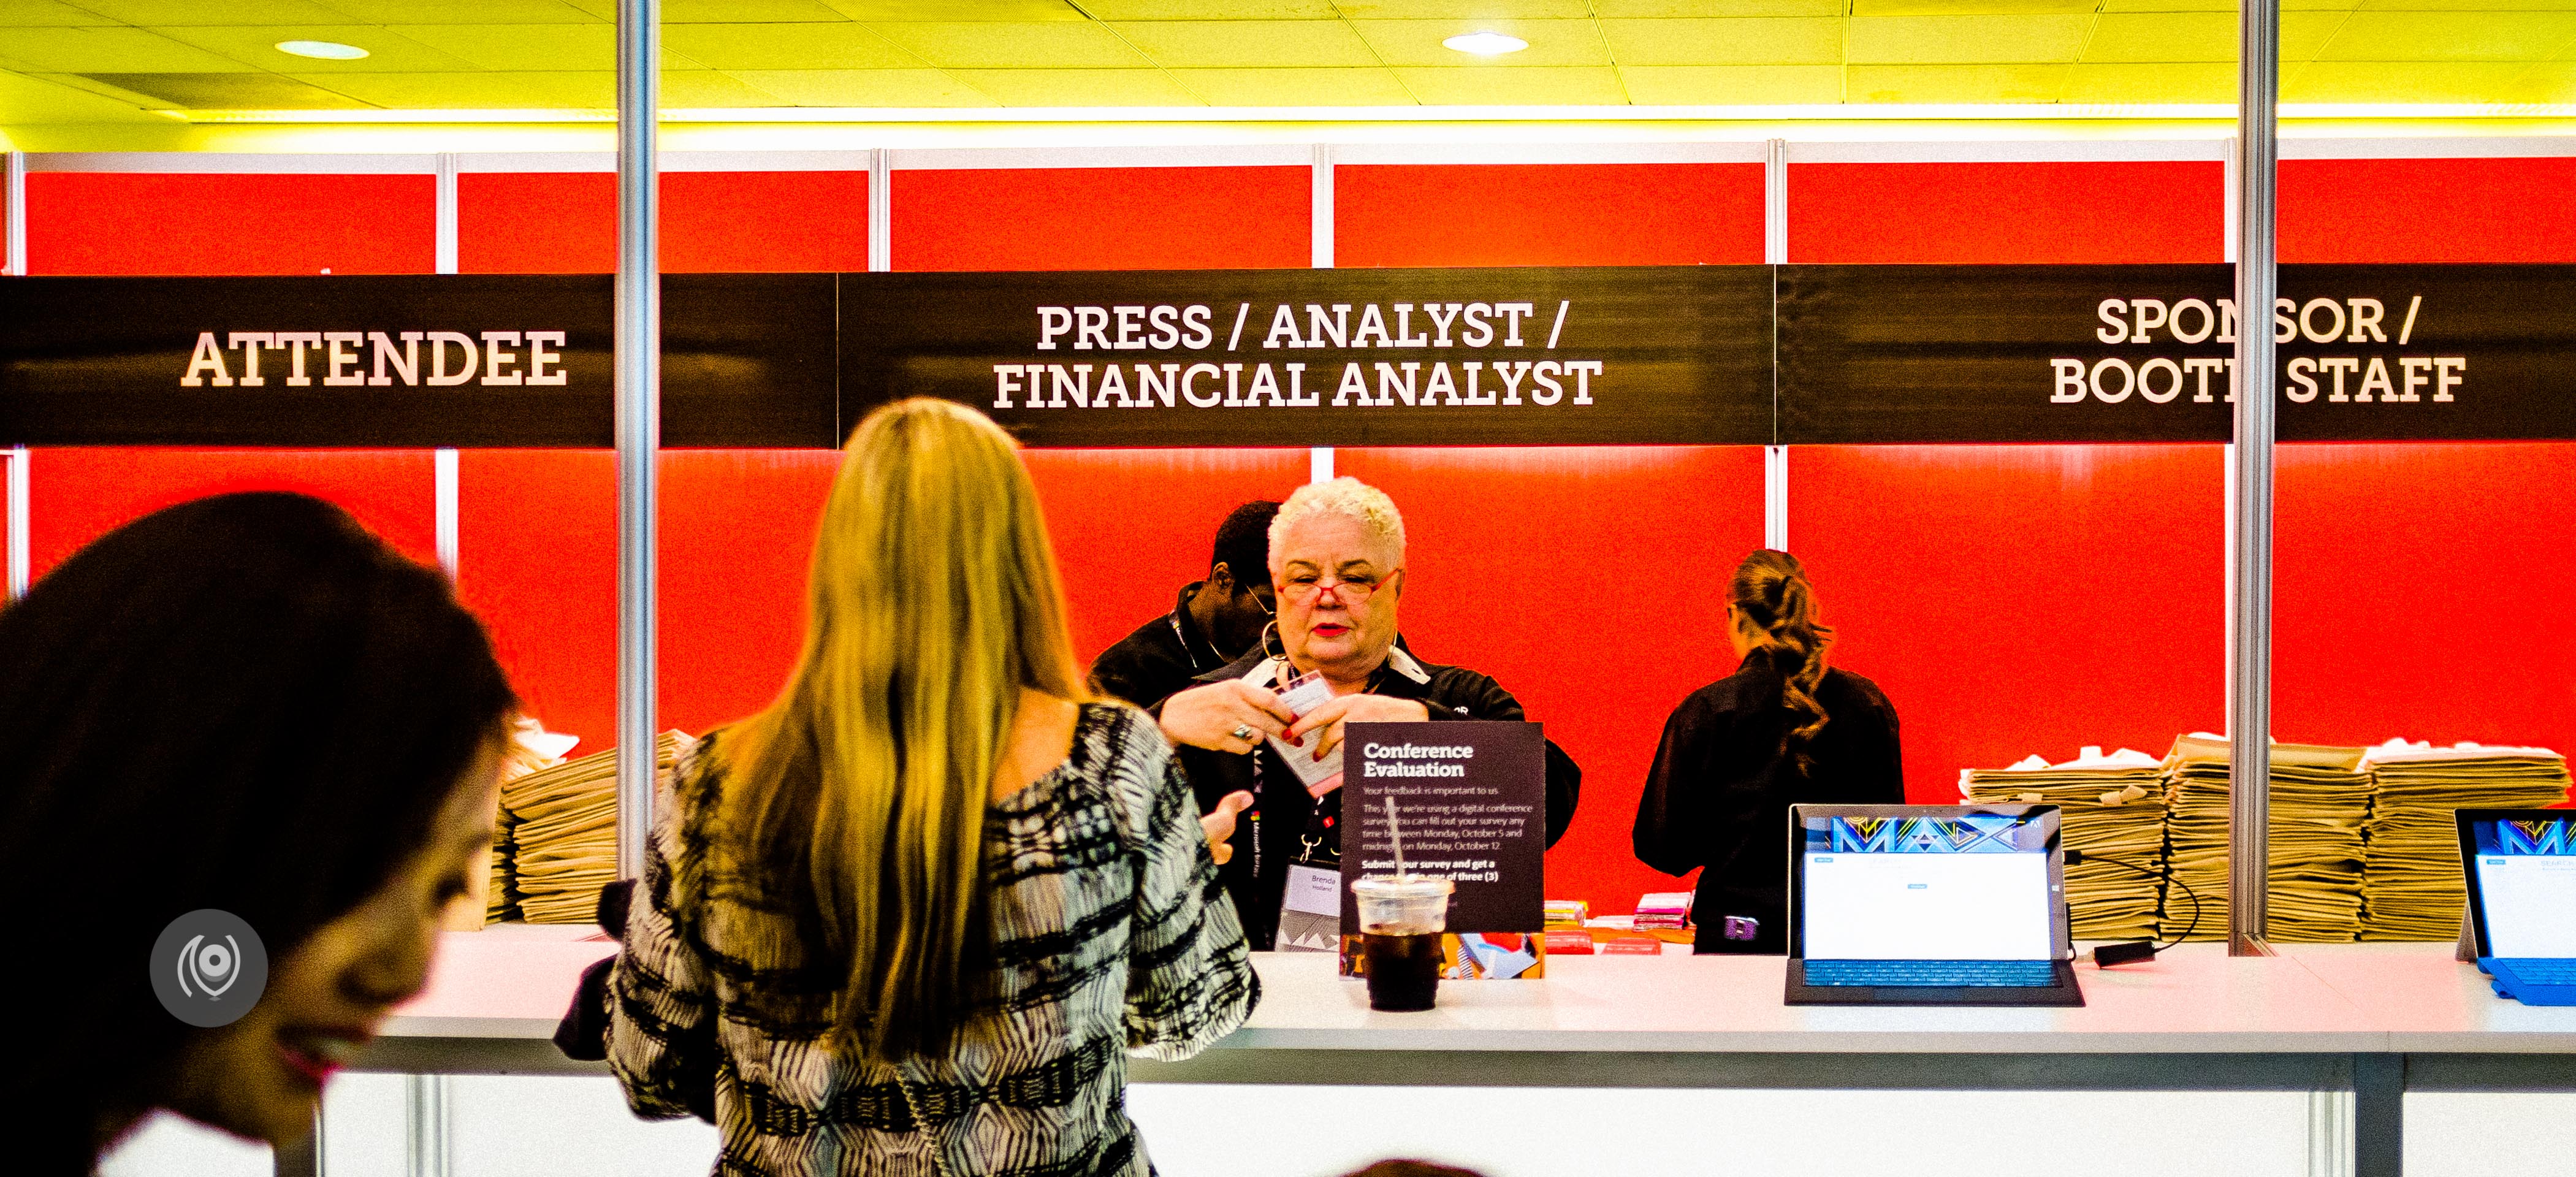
{"points": [[1785, 729]]}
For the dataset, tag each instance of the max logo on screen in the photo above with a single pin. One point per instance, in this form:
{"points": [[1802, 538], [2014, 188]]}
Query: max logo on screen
{"points": [[1976, 833], [1482, 366], [2375, 368], [375, 358]]}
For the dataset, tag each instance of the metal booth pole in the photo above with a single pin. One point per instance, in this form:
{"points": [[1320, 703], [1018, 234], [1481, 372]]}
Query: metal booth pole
{"points": [[639, 416], [2249, 718]]}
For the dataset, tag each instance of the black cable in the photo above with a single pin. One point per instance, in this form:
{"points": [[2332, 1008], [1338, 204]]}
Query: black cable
{"points": [[2135, 950]]}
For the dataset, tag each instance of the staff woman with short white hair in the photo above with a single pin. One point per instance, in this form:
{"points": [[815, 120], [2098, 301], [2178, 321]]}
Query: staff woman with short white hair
{"points": [[1337, 564]]}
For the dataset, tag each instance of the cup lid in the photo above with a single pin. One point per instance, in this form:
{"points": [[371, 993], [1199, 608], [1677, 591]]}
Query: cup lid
{"points": [[1402, 886]]}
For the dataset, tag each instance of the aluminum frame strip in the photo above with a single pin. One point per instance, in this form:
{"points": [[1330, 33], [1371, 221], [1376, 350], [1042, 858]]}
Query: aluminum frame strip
{"points": [[2249, 705]]}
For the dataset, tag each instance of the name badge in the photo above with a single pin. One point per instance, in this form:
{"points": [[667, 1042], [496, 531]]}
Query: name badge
{"points": [[1310, 910]]}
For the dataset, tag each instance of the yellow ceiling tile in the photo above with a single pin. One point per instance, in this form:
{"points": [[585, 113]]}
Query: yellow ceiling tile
{"points": [[244, 91], [213, 12], [553, 90], [2163, 36], [387, 51], [2553, 81], [2451, 36], [2304, 34], [723, 12], [2196, 81], [1079, 87], [28, 101], [1733, 85], [840, 45], [1469, 10], [460, 12], [1749, 40], [1371, 86], [2459, 5], [1970, 7], [2200, 36], [529, 47], [705, 89], [2226, 6], [1659, 9], [1013, 45], [864, 87], [1526, 86], [958, 10], [2405, 81], [1213, 9], [1551, 42], [1955, 83], [1963, 40], [45, 13], [731, 12], [114, 49], [1248, 43]]}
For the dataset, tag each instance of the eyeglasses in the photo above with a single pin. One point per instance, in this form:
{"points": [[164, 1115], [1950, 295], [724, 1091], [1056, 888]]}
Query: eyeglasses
{"points": [[1302, 589]]}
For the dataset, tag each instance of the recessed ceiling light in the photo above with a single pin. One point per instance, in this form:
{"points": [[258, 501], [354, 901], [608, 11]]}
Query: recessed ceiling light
{"points": [[326, 50], [1486, 44]]}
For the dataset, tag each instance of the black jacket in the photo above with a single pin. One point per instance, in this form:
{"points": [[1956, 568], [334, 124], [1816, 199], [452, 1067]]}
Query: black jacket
{"points": [[1159, 660], [1271, 835], [1718, 797]]}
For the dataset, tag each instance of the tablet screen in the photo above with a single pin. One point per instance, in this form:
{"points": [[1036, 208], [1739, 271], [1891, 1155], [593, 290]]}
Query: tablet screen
{"points": [[1972, 887]]}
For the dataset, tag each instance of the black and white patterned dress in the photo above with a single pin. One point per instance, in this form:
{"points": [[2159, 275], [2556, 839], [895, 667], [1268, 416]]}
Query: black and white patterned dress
{"points": [[1110, 938]]}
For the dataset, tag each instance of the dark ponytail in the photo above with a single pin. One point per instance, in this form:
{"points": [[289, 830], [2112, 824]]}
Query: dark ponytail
{"points": [[1771, 591]]}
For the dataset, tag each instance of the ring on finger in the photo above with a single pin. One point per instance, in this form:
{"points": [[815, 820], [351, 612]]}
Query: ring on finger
{"points": [[1243, 732]]}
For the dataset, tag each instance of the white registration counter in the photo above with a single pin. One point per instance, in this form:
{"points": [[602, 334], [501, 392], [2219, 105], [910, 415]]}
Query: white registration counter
{"points": [[2364, 1022]]}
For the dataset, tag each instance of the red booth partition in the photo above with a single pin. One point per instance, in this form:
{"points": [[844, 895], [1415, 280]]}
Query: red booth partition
{"points": [[2010, 599]]}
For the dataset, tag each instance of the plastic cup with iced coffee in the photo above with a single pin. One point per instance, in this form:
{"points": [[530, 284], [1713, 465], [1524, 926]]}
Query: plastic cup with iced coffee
{"points": [[1401, 921]]}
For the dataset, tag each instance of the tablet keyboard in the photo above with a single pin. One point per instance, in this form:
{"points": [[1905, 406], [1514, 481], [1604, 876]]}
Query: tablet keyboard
{"points": [[2544, 972], [1923, 974]]}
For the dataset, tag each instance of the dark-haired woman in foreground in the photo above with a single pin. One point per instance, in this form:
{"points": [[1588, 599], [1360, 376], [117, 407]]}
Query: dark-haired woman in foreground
{"points": [[245, 703], [1784, 729], [911, 920]]}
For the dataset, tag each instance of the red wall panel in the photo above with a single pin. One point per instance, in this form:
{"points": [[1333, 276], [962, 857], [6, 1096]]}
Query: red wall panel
{"points": [[1547, 214], [738, 532], [537, 558], [77, 495], [2021, 599], [2428, 210], [2423, 591], [1589, 582], [230, 223], [1102, 218], [1131, 527], [2055, 212], [712, 222]]}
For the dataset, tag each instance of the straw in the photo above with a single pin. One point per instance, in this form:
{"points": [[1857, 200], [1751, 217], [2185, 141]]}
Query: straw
{"points": [[1393, 836]]}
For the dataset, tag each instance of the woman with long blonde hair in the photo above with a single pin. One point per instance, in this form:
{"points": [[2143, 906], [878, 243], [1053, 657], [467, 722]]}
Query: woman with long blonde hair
{"points": [[913, 917]]}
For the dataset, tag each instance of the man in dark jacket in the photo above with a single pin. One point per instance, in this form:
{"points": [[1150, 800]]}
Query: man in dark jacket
{"points": [[1215, 621], [1337, 560]]}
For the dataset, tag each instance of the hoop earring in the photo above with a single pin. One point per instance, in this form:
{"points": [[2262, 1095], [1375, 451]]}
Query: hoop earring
{"points": [[1268, 632]]}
